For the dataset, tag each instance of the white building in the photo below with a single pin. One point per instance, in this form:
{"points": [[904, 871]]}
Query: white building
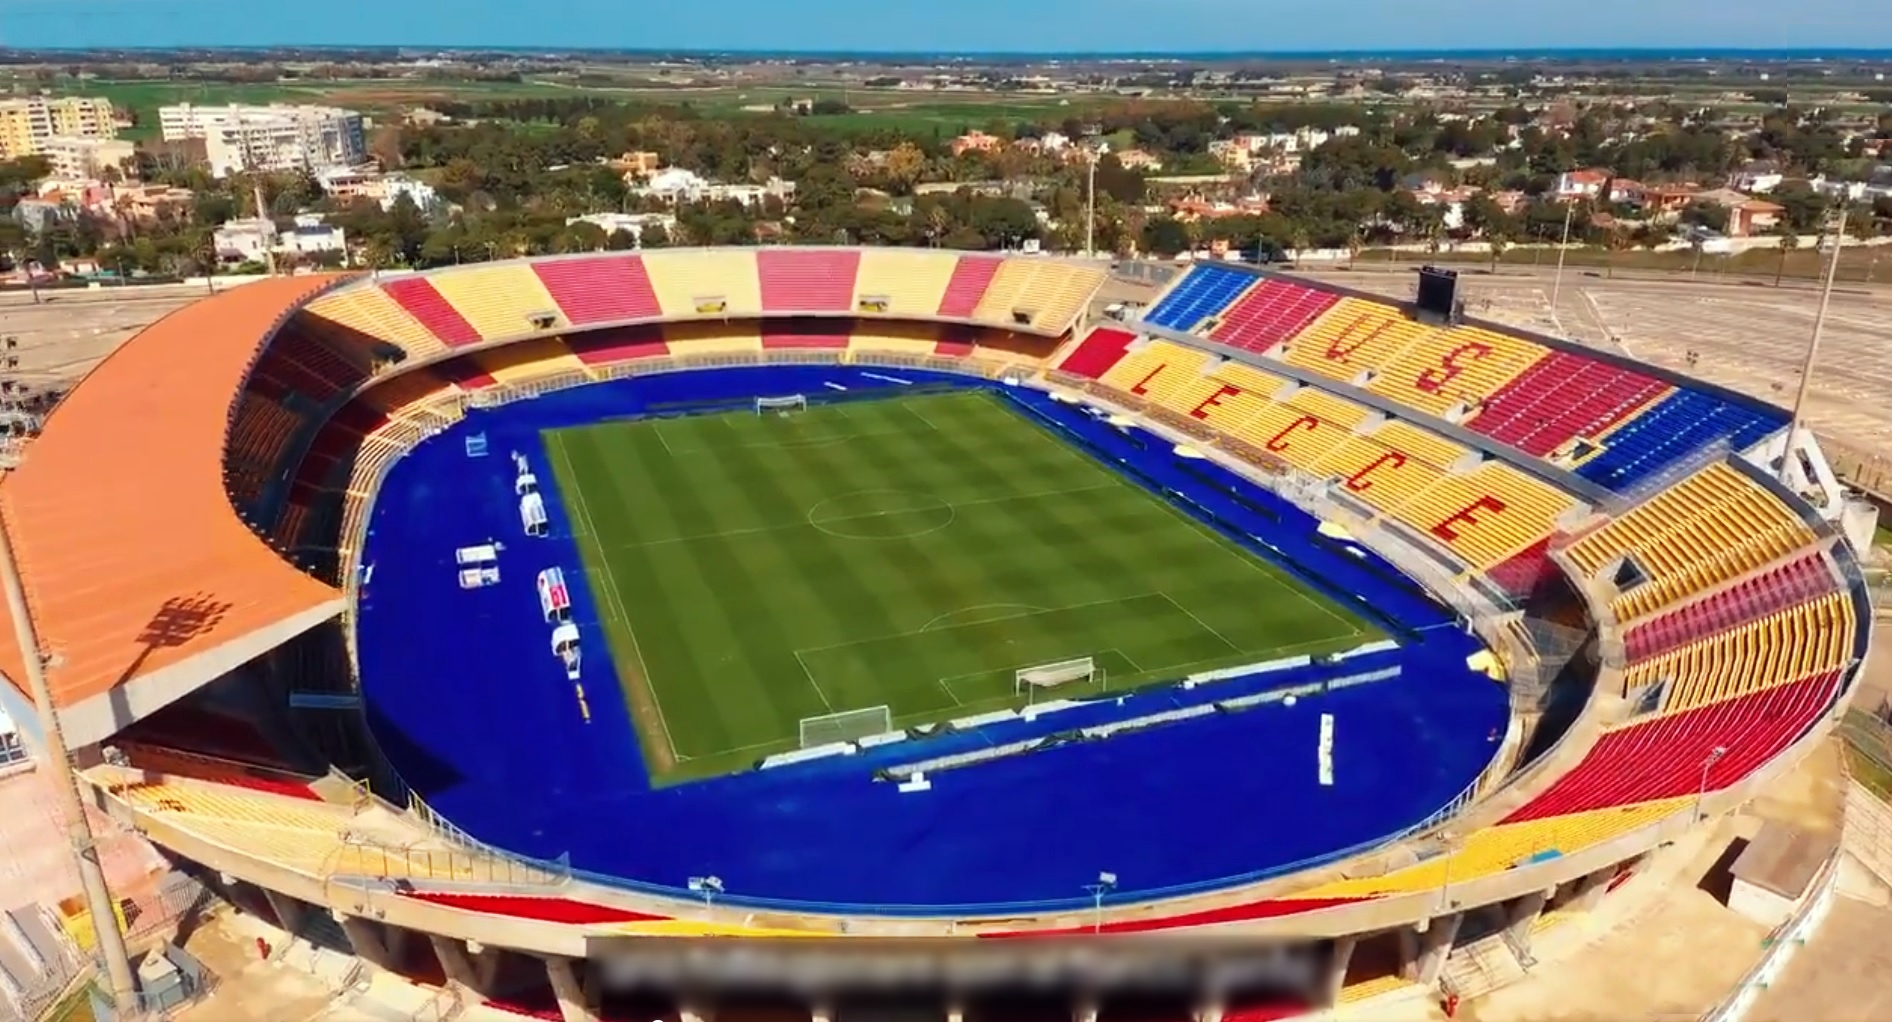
{"points": [[276, 137], [384, 189], [79, 158], [254, 240], [678, 185], [633, 223]]}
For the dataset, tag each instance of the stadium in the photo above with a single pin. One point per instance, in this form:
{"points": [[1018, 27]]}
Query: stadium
{"points": [[872, 593]]}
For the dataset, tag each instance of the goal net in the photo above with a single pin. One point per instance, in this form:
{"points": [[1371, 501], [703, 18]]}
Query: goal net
{"points": [[845, 726], [781, 405], [1030, 681]]}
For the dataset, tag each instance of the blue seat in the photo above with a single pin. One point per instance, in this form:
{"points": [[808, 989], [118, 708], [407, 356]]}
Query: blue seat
{"points": [[1684, 422], [1205, 290]]}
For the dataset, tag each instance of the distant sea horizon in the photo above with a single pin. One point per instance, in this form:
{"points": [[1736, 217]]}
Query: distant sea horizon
{"points": [[1514, 54]]}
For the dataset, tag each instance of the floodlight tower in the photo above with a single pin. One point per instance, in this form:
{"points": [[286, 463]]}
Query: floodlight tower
{"points": [[1798, 425], [19, 427]]}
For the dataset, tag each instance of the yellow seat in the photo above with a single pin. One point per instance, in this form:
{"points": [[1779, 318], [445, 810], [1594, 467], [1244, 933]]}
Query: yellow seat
{"points": [[1709, 528], [1493, 850], [1336, 410], [1384, 477], [1782, 647], [498, 300], [365, 314], [1156, 371], [1051, 291], [529, 360], [1414, 442], [1353, 337], [911, 281], [712, 338], [1444, 367], [705, 282], [1488, 514]]}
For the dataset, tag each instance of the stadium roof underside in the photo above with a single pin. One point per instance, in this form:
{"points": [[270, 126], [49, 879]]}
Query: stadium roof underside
{"points": [[143, 581]]}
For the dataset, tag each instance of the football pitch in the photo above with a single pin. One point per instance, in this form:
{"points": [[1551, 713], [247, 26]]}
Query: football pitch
{"points": [[909, 552]]}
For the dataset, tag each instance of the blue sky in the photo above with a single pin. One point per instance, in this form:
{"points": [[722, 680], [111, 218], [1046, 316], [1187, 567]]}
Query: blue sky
{"points": [[955, 25]]}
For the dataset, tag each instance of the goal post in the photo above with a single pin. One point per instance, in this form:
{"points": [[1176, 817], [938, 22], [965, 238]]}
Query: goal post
{"points": [[845, 726], [781, 405], [1082, 671]]}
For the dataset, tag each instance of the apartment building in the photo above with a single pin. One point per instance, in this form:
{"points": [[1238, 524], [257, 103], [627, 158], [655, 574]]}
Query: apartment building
{"points": [[274, 137], [27, 123], [76, 158]]}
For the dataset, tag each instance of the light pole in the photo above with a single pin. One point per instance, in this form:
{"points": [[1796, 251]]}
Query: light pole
{"points": [[1090, 205], [1708, 763], [1798, 425], [708, 888], [85, 849], [1557, 281], [1104, 884]]}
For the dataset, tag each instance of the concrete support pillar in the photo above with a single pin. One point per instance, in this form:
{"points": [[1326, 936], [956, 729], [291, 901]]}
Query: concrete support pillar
{"points": [[1086, 1010], [955, 1011], [289, 912], [1519, 917], [821, 1011], [398, 939], [458, 966], [486, 963], [690, 1013], [366, 937], [1337, 969], [1434, 944], [1211, 1010], [1590, 890], [568, 988]]}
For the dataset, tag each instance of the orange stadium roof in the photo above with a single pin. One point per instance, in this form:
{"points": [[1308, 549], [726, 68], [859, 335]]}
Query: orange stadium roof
{"points": [[144, 582]]}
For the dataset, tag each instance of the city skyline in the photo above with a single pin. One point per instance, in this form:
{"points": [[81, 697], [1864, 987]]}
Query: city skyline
{"points": [[967, 26]]}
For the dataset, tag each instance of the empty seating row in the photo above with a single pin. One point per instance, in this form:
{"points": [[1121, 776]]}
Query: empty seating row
{"points": [[1707, 529], [1039, 294], [1101, 348], [807, 280], [1351, 339], [1813, 638], [1270, 314], [1447, 371], [1670, 430], [599, 289], [1563, 397], [1492, 850], [1675, 754], [1777, 589], [1485, 515], [1204, 290]]}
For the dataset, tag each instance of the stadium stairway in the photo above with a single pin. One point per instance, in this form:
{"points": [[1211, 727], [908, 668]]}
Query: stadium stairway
{"points": [[1203, 291], [603, 289], [1671, 429]]}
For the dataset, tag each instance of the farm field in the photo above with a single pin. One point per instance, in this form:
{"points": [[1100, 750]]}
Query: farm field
{"points": [[753, 571]]}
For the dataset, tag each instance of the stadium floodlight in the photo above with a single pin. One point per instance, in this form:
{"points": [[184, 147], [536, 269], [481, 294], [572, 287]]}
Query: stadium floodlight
{"points": [[1105, 883], [708, 887]]}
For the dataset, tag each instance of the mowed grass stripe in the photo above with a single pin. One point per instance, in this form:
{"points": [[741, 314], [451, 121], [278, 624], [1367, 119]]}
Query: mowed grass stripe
{"points": [[853, 555]]}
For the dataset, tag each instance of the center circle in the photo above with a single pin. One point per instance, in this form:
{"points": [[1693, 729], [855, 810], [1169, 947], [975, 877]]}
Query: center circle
{"points": [[881, 514]]}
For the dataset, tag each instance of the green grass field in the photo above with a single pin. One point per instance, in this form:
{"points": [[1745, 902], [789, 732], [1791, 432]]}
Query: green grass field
{"points": [[913, 552]]}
